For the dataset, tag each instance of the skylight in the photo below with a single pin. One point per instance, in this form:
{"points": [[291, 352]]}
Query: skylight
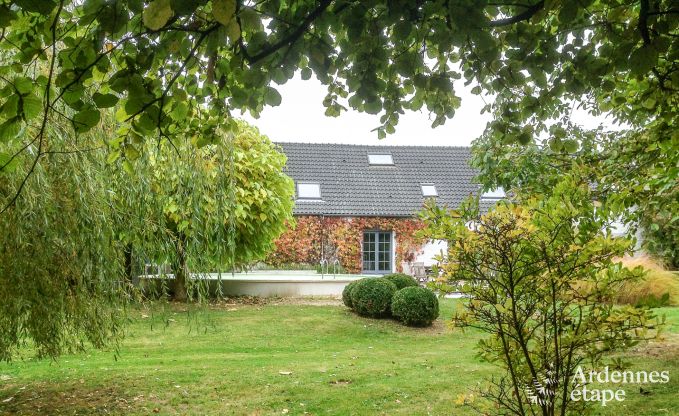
{"points": [[497, 193], [380, 159], [428, 189], [306, 190]]}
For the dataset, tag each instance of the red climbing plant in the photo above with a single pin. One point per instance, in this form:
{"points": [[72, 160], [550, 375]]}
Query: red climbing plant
{"points": [[315, 238]]}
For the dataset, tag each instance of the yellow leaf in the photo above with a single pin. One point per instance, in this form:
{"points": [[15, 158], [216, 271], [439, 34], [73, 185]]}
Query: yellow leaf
{"points": [[233, 31], [157, 14], [223, 11]]}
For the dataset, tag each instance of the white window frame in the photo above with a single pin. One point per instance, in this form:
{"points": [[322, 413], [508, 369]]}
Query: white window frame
{"points": [[309, 184], [380, 159], [428, 194]]}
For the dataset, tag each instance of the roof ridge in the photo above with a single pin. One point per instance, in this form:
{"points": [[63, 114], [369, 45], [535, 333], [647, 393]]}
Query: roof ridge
{"points": [[373, 145]]}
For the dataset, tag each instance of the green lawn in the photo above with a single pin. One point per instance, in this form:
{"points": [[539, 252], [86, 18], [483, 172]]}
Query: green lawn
{"points": [[284, 358]]}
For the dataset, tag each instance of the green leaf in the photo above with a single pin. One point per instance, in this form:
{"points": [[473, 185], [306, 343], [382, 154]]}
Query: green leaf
{"points": [[157, 14], [131, 152], [9, 129], [306, 73], [649, 103], [112, 157], [184, 7], [85, 120], [402, 29], [23, 85], [5, 161], [43, 7], [10, 107], [6, 16], [643, 59], [524, 138], [272, 97], [278, 76], [571, 146], [249, 19], [555, 144], [569, 11], [180, 111], [127, 167], [223, 10], [373, 107], [233, 31], [104, 100], [32, 106]]}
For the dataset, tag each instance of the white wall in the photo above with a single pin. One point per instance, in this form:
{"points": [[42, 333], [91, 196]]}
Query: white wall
{"points": [[427, 253]]}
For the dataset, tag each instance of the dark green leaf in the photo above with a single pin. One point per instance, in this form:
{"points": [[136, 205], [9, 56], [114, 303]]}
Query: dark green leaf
{"points": [[38, 6], [272, 97], [85, 120], [6, 16], [643, 59], [104, 100], [306, 73], [524, 138]]}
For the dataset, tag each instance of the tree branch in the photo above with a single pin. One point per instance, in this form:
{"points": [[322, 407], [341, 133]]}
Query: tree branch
{"points": [[525, 15], [172, 80], [291, 38], [43, 126], [643, 22]]}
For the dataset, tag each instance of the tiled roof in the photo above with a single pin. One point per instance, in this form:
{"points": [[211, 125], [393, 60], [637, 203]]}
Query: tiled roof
{"points": [[352, 187]]}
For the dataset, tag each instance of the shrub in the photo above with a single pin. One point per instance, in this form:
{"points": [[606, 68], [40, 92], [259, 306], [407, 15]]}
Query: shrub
{"points": [[652, 301], [415, 306], [401, 280], [372, 297], [346, 294]]}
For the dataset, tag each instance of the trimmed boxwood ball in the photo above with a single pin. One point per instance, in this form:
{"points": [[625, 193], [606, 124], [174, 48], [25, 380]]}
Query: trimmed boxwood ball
{"points": [[346, 293], [372, 297], [401, 280], [416, 306]]}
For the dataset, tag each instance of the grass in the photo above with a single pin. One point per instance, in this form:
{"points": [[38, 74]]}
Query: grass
{"points": [[285, 358], [657, 282]]}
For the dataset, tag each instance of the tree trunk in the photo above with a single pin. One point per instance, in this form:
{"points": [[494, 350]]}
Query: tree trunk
{"points": [[180, 271], [128, 263]]}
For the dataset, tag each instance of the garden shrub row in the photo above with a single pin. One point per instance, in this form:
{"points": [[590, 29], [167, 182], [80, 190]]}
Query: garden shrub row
{"points": [[397, 295]]}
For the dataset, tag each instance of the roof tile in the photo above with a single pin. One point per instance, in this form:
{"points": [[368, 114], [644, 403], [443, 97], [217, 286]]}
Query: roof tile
{"points": [[352, 187]]}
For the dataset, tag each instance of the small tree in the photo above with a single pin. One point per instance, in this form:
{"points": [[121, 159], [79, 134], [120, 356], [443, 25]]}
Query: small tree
{"points": [[213, 207], [539, 276]]}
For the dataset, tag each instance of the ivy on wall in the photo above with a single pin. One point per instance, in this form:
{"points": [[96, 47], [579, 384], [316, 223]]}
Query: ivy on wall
{"points": [[315, 238]]}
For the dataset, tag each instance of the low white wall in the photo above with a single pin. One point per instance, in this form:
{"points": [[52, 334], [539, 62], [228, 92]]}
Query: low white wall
{"points": [[264, 284], [281, 288]]}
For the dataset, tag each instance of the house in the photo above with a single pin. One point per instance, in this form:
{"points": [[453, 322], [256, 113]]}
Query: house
{"points": [[356, 206]]}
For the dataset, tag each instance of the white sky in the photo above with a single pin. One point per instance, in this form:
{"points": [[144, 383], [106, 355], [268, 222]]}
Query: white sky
{"points": [[301, 118]]}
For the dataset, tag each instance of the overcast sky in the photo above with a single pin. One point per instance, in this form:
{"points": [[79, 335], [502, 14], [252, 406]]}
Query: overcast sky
{"points": [[301, 118]]}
